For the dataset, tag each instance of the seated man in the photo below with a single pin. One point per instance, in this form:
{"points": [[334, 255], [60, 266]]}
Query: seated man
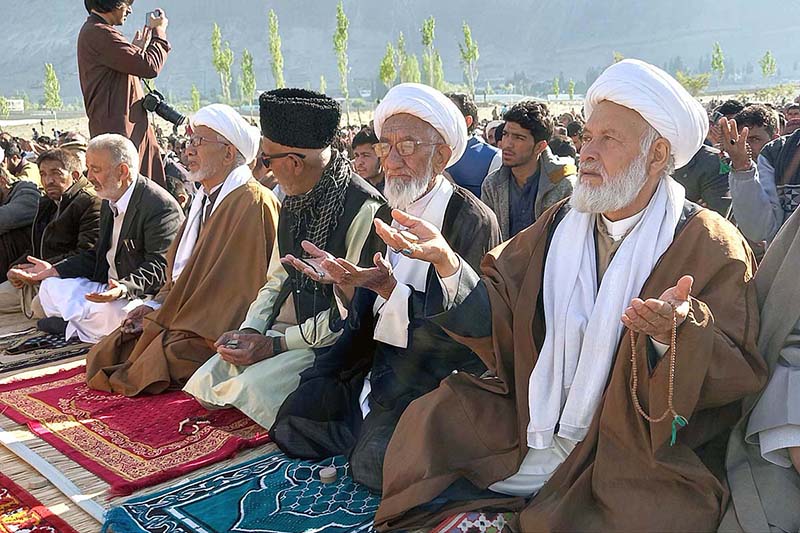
{"points": [[389, 355], [532, 178], [367, 164], [259, 365], [220, 257], [18, 202], [763, 460], [66, 222], [579, 425], [17, 165], [480, 158], [91, 293]]}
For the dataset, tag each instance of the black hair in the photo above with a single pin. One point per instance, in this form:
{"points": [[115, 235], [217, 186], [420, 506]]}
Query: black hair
{"points": [[365, 136], [11, 148], [67, 160], [467, 107], [574, 128], [534, 117], [562, 146], [758, 116], [104, 6], [730, 107]]}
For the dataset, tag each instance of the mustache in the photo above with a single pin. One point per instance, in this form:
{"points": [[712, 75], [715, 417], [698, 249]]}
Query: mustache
{"points": [[592, 166]]}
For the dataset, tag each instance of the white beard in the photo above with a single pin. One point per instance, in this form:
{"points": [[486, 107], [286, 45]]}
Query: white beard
{"points": [[402, 193], [615, 193]]}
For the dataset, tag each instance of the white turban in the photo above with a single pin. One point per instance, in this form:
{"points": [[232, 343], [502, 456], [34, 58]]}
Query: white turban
{"points": [[430, 105], [659, 98], [230, 124]]}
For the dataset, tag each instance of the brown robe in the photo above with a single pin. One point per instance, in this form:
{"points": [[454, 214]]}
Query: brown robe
{"points": [[110, 68], [227, 268], [623, 475]]}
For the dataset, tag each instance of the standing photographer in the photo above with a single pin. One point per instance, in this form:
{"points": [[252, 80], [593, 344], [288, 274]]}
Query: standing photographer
{"points": [[110, 67]]}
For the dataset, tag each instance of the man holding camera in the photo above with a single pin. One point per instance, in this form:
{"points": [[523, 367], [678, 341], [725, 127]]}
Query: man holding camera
{"points": [[110, 67]]}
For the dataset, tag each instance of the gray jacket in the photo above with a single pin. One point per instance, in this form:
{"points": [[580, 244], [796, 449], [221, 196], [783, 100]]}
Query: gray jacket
{"points": [[555, 183], [20, 207]]}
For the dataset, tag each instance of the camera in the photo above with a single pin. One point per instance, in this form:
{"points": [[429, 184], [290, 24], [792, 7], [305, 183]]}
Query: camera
{"points": [[154, 103]]}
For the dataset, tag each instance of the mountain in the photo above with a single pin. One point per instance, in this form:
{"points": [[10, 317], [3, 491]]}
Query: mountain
{"points": [[540, 38]]}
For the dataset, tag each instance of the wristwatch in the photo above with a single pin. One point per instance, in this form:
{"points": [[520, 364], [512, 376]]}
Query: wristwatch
{"points": [[276, 345]]}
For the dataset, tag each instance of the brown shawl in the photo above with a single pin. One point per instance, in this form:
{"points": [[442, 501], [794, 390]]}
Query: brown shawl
{"points": [[227, 268], [624, 475]]}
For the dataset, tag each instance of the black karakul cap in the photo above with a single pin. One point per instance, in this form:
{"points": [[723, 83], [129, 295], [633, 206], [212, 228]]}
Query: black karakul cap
{"points": [[299, 118]]}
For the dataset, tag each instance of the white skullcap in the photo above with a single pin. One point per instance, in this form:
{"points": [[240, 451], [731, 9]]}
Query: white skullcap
{"points": [[430, 105], [659, 98], [230, 124]]}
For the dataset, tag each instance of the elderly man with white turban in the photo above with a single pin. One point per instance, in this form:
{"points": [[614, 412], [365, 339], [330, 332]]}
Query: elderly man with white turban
{"points": [[215, 266], [619, 335], [388, 354]]}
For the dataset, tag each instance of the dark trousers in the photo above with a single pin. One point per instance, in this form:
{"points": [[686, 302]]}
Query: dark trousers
{"points": [[322, 418], [13, 245]]}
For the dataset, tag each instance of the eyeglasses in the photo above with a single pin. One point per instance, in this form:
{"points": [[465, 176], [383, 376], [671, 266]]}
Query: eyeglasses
{"points": [[404, 148], [267, 159], [196, 141]]}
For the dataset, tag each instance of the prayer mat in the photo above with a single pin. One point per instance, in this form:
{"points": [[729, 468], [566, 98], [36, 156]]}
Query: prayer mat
{"points": [[129, 443], [20, 512], [270, 494], [475, 522], [33, 348]]}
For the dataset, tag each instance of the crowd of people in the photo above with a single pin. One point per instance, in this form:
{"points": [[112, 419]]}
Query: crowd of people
{"points": [[558, 316]]}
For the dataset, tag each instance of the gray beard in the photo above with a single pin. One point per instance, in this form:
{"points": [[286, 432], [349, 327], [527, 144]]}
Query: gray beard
{"points": [[401, 193], [614, 193]]}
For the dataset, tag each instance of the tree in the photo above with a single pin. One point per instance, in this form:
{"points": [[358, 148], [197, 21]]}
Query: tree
{"points": [[618, 57], [429, 53], [718, 61], [222, 59], [409, 70], [195, 99], [768, 65], [248, 80], [275, 50], [469, 58], [556, 87], [695, 85], [52, 89], [571, 89], [388, 72], [438, 72], [340, 47], [5, 108], [323, 85]]}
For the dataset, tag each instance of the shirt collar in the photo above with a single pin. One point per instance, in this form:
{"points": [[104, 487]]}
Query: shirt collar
{"points": [[620, 228], [121, 205]]}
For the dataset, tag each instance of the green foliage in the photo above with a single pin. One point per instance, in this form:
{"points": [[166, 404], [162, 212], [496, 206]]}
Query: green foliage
{"points": [[247, 83], [52, 89], [718, 61], [340, 47], [428, 32], [556, 87], [323, 85], [469, 58], [571, 89], [409, 70], [5, 108], [696, 84], [777, 94], [438, 73], [195, 107], [222, 59], [768, 65], [387, 71], [617, 57], [275, 50]]}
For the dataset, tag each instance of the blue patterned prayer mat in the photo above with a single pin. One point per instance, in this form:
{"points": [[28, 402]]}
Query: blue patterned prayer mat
{"points": [[271, 494]]}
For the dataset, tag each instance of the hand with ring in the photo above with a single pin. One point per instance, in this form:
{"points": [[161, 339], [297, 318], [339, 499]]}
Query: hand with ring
{"points": [[735, 143]]}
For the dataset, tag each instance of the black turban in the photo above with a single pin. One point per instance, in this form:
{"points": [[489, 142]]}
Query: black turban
{"points": [[299, 118]]}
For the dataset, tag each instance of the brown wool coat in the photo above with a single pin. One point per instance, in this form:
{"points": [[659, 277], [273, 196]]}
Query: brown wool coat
{"points": [[110, 69], [624, 475], [227, 268]]}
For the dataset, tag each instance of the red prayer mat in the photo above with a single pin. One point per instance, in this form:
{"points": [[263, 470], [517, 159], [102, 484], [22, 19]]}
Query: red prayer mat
{"points": [[20, 511], [130, 443]]}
